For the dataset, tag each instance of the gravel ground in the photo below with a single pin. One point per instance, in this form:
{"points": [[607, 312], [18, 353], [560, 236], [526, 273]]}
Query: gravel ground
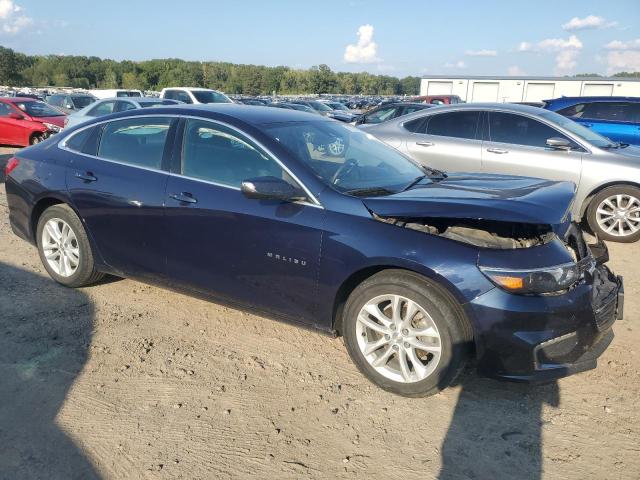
{"points": [[123, 380]]}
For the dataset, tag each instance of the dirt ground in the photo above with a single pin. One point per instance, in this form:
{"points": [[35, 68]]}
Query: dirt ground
{"points": [[123, 380]]}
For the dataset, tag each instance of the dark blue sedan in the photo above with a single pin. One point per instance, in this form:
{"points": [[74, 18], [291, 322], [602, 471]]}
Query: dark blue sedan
{"points": [[309, 220], [617, 118]]}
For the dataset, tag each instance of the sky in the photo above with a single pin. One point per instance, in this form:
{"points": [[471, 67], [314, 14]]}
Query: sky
{"points": [[399, 38]]}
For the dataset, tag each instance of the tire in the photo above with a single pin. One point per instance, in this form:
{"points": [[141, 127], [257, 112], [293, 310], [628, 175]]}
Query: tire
{"points": [[608, 201], [84, 272], [454, 332], [35, 138]]}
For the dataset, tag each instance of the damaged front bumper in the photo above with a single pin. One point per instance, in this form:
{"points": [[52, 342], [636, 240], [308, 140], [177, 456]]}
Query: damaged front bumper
{"points": [[542, 338]]}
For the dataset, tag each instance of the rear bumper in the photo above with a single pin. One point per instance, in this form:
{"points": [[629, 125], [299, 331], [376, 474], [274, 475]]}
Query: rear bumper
{"points": [[542, 338]]}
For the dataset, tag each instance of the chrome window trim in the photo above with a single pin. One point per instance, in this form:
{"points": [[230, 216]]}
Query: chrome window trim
{"points": [[62, 145]]}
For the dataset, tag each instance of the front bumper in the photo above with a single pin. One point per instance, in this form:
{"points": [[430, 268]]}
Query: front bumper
{"points": [[542, 338]]}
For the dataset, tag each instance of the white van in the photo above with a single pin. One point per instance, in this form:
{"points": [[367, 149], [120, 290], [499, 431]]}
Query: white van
{"points": [[194, 95], [116, 92]]}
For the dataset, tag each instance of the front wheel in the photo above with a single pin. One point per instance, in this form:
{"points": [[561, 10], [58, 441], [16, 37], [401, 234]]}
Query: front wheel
{"points": [[614, 214], [64, 247], [405, 333]]}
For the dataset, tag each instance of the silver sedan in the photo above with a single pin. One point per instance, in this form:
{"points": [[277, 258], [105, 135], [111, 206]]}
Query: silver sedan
{"points": [[523, 140], [113, 105]]}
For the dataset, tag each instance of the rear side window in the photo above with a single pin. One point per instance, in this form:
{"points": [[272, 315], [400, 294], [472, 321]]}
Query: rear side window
{"points": [[419, 125], [381, 115], [454, 124], [178, 95], [220, 155], [520, 130], [124, 106], [5, 110], [135, 141]]}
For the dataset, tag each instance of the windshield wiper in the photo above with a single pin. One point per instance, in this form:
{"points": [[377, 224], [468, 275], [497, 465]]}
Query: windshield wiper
{"points": [[369, 191], [414, 182]]}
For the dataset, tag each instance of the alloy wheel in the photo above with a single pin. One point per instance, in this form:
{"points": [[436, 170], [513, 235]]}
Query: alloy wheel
{"points": [[60, 247], [619, 215], [398, 338]]}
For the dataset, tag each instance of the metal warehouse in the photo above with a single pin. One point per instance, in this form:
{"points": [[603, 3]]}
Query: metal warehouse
{"points": [[527, 89]]}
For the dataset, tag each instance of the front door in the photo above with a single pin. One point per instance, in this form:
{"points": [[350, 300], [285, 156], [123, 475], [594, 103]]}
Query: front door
{"points": [[257, 253], [517, 145]]}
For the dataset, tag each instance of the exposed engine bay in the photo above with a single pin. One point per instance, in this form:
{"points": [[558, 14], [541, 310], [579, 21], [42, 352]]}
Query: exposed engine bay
{"points": [[480, 233]]}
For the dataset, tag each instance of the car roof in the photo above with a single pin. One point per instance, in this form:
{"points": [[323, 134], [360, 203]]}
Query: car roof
{"points": [[513, 107], [250, 114], [600, 98], [19, 99], [192, 89]]}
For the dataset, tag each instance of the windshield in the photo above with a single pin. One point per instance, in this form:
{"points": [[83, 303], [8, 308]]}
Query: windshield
{"points": [[38, 109], [345, 157], [338, 106], [208, 96], [81, 102], [321, 107], [585, 133]]}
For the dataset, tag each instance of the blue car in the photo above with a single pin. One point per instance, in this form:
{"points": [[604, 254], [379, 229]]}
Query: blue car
{"points": [[258, 209], [617, 118]]}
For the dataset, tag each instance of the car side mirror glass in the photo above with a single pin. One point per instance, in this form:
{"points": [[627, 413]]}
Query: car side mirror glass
{"points": [[271, 188], [16, 116], [558, 143]]}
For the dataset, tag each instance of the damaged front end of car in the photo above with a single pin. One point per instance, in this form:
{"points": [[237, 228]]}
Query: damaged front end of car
{"points": [[554, 302]]}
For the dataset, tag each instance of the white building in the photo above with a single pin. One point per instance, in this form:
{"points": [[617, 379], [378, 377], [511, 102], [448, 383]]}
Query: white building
{"points": [[528, 89]]}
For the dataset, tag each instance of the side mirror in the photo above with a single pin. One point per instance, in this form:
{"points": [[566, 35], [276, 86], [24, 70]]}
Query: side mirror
{"points": [[271, 188], [558, 143], [15, 116]]}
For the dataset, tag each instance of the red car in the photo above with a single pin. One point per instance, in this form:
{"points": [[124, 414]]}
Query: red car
{"points": [[25, 121]]}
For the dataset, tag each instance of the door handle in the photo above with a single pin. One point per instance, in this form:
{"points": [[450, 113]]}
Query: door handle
{"points": [[87, 176], [499, 151], [184, 197], [425, 144]]}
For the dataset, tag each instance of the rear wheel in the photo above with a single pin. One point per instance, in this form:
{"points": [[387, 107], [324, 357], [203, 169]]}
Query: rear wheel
{"points": [[405, 333], [614, 214], [64, 247]]}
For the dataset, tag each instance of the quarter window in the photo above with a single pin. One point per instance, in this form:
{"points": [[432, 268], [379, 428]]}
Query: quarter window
{"points": [[136, 141], [381, 115], [520, 130], [455, 124], [215, 153], [124, 106]]}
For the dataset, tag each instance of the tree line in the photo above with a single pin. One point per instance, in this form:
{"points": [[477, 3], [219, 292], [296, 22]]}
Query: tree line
{"points": [[18, 69]]}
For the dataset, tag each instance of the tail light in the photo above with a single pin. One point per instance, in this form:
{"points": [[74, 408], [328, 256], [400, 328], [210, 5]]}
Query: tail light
{"points": [[11, 166]]}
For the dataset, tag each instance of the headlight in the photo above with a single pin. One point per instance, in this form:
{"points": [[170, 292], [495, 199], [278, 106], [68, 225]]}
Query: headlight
{"points": [[534, 281], [53, 128]]}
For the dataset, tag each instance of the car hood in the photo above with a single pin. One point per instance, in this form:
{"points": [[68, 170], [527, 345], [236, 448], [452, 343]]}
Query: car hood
{"points": [[481, 196]]}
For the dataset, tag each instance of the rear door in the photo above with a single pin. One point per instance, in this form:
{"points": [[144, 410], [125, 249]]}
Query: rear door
{"points": [[516, 145], [448, 141], [243, 251], [116, 178], [9, 131]]}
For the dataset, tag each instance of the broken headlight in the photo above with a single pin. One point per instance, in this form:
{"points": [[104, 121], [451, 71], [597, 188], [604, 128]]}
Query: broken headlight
{"points": [[534, 281]]}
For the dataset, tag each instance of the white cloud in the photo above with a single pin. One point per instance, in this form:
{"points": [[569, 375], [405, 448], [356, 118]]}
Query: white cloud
{"points": [[587, 23], [366, 50], [567, 51], [481, 53], [621, 45], [11, 20], [459, 64], [515, 71], [623, 61]]}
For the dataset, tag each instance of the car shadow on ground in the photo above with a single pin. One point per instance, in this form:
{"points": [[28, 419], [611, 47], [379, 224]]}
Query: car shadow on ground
{"points": [[45, 333], [495, 431]]}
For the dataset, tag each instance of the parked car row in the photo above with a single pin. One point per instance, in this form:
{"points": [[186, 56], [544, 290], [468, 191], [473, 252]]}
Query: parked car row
{"points": [[304, 218]]}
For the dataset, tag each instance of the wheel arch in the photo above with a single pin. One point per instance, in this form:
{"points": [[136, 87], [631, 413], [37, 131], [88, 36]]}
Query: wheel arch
{"points": [[599, 188], [359, 276]]}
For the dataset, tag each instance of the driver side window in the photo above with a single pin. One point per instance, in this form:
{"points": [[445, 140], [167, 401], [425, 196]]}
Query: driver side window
{"points": [[521, 130], [220, 155]]}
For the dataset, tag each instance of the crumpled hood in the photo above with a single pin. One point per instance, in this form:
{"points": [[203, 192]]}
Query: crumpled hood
{"points": [[481, 196]]}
